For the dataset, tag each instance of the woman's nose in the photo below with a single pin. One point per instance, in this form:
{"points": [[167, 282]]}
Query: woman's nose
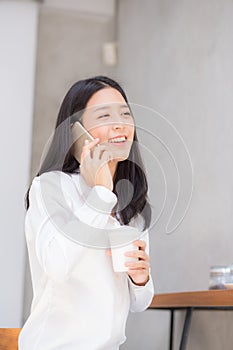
{"points": [[117, 121], [117, 126]]}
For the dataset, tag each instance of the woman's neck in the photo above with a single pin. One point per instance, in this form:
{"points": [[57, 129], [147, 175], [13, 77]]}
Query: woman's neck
{"points": [[112, 167]]}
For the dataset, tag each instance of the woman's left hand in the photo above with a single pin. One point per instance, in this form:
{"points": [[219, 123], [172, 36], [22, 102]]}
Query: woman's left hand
{"points": [[138, 271]]}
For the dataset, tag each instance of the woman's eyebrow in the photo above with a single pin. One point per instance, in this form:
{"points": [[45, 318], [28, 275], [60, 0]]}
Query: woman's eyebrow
{"points": [[107, 107], [102, 107]]}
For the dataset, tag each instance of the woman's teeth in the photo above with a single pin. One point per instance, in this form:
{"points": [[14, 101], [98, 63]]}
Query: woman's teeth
{"points": [[118, 139]]}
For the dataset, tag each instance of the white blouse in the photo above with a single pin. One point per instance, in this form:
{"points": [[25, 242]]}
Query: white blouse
{"points": [[79, 302]]}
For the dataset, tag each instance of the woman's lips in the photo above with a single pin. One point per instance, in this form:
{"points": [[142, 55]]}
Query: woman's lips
{"points": [[117, 139], [116, 142]]}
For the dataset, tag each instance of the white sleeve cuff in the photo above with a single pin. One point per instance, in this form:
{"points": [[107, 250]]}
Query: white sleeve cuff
{"points": [[140, 296]]}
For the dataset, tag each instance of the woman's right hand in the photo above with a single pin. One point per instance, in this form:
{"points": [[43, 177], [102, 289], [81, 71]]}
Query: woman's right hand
{"points": [[94, 165]]}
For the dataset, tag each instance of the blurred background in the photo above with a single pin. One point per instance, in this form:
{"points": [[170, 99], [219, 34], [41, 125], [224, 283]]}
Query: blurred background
{"points": [[171, 56]]}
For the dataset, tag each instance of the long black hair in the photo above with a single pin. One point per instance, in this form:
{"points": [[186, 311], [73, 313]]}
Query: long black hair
{"points": [[59, 155]]}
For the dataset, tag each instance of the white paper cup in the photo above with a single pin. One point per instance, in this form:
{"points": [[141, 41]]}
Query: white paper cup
{"points": [[120, 244]]}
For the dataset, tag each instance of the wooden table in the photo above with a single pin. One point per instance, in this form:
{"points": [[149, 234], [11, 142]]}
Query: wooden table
{"points": [[190, 301], [9, 338]]}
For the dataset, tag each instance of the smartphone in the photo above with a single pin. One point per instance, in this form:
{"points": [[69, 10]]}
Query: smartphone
{"points": [[79, 135]]}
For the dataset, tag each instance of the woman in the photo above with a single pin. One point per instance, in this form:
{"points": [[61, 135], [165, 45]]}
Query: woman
{"points": [[79, 302]]}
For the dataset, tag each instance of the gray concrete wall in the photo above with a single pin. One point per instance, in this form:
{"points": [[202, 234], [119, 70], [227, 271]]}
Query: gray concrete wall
{"points": [[176, 57]]}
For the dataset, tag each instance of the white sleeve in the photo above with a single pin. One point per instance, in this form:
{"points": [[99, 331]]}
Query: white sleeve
{"points": [[141, 296], [50, 218]]}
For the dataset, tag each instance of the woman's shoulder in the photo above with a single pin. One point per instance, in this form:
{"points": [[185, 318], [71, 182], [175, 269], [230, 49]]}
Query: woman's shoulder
{"points": [[54, 186], [54, 179], [55, 175]]}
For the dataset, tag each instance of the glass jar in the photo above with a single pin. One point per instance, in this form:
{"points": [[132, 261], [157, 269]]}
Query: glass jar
{"points": [[229, 284], [220, 277]]}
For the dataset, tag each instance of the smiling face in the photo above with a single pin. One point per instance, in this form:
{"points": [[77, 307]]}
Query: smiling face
{"points": [[108, 117]]}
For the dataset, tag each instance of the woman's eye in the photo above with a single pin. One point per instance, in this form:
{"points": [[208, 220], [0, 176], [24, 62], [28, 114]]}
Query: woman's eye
{"points": [[127, 114], [103, 116]]}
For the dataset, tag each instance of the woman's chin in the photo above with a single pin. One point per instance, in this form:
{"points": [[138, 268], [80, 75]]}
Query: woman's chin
{"points": [[119, 154], [118, 159]]}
